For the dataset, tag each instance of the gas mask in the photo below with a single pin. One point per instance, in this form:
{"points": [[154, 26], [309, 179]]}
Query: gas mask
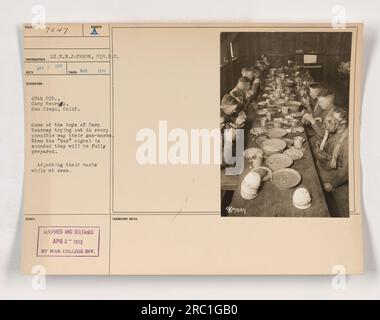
{"points": [[333, 123]]}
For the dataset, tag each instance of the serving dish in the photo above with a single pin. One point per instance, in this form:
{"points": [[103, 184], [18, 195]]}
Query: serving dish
{"points": [[286, 178], [279, 161], [273, 146], [275, 133], [295, 154], [264, 172]]}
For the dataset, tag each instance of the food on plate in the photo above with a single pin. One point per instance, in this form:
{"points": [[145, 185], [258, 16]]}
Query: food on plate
{"points": [[294, 105], [258, 131], [286, 178], [262, 104], [264, 172], [272, 146], [295, 154], [299, 129], [289, 142], [250, 153], [262, 112], [297, 114], [260, 140], [301, 198], [279, 161], [276, 133], [274, 109]]}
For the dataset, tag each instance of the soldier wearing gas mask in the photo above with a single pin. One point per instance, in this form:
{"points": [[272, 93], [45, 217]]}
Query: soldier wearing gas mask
{"points": [[325, 108], [332, 150]]}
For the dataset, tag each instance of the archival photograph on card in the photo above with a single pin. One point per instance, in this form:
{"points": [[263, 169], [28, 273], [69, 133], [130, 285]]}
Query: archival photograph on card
{"points": [[127, 178], [285, 109]]}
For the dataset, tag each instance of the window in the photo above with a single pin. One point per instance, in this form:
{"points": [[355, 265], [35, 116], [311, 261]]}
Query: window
{"points": [[310, 59]]}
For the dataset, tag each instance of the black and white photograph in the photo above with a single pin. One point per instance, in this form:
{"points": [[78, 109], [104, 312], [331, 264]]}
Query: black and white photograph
{"points": [[284, 111], [118, 181]]}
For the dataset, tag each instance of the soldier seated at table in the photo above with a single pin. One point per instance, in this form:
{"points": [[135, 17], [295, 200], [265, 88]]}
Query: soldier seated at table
{"points": [[265, 60], [247, 72], [242, 93], [260, 64], [332, 161], [254, 74], [290, 67], [232, 114], [310, 99], [325, 108], [232, 117]]}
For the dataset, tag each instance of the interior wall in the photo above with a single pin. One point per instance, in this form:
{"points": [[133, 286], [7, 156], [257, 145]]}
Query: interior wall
{"points": [[331, 48]]}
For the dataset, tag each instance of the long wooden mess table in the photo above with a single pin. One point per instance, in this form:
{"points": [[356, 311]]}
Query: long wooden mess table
{"points": [[272, 201]]}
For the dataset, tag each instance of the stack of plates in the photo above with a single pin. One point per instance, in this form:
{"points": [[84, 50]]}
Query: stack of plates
{"points": [[250, 185]]}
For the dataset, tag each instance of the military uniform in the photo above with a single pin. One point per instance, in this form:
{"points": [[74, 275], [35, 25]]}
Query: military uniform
{"points": [[333, 165]]}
